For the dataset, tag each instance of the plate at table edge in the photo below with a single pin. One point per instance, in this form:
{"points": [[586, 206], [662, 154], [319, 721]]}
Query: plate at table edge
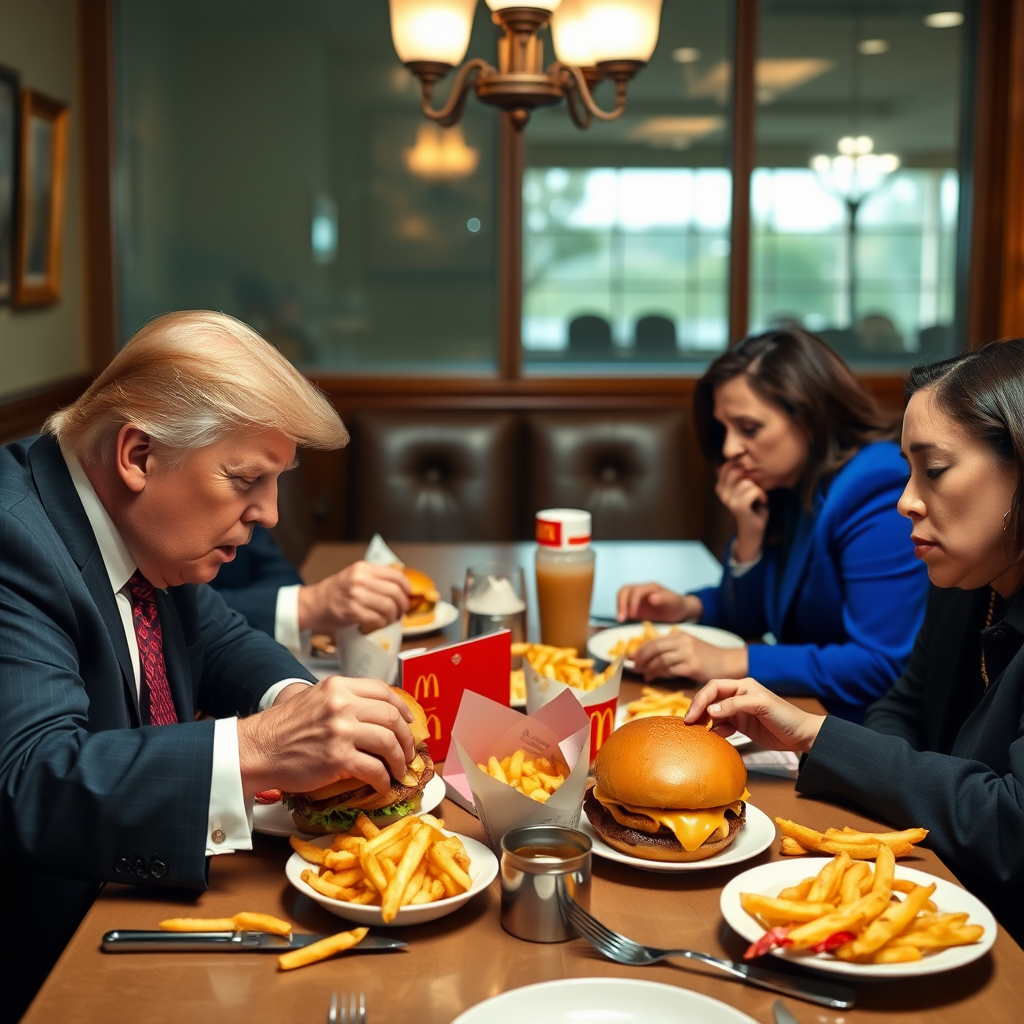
{"points": [[770, 879], [563, 1001], [755, 837], [276, 819], [600, 644], [483, 869], [444, 615]]}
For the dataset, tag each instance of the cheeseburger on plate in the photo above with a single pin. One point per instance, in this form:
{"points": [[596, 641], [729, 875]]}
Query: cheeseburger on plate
{"points": [[667, 791], [335, 807], [422, 598]]}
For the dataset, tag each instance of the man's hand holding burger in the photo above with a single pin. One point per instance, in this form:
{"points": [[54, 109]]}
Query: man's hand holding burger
{"points": [[372, 596], [313, 735], [746, 706]]}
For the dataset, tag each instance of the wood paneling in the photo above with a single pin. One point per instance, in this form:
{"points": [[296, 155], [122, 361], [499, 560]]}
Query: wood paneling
{"points": [[23, 414], [1011, 322]]}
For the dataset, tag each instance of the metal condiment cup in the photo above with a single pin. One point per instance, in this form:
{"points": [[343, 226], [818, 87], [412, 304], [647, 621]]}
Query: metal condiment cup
{"points": [[530, 884]]}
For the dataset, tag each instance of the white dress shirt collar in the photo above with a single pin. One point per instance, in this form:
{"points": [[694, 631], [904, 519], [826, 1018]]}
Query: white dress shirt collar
{"points": [[117, 559]]}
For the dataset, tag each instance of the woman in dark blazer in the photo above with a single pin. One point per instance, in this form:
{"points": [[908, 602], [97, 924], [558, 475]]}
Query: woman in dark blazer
{"points": [[821, 558], [944, 749]]}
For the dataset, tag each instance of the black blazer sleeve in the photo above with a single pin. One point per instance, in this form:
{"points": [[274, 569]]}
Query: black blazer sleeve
{"points": [[250, 582]]}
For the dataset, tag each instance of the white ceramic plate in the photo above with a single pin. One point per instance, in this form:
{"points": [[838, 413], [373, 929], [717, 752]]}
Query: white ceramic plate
{"points": [[737, 739], [600, 644], [276, 819], [600, 1000], [771, 879], [755, 837], [483, 868], [444, 615]]}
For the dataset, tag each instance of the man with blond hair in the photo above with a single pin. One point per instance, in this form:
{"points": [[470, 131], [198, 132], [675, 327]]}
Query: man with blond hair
{"points": [[111, 522]]}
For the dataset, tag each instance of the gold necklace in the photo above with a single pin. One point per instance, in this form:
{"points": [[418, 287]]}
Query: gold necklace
{"points": [[988, 622]]}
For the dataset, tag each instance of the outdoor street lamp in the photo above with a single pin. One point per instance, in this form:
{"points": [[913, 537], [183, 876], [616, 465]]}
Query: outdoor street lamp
{"points": [[593, 40]]}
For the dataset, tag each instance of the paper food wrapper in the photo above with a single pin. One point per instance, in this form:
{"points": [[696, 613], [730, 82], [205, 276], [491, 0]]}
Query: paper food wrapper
{"points": [[378, 553], [484, 728], [370, 655], [600, 704]]}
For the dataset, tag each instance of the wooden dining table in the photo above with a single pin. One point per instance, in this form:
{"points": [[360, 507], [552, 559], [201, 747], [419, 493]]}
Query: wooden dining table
{"points": [[460, 960]]}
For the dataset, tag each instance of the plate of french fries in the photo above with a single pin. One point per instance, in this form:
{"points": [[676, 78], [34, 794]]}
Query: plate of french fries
{"points": [[654, 702], [408, 873], [870, 919], [562, 664], [624, 641]]}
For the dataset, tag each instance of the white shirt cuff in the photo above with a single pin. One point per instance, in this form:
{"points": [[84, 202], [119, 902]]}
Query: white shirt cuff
{"points": [[271, 695], [738, 569], [230, 818], [286, 622]]}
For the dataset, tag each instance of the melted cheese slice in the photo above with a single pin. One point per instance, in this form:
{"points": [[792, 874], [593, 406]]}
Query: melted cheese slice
{"points": [[691, 828]]}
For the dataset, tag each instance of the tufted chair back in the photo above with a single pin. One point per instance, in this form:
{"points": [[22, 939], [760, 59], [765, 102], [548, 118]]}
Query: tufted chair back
{"points": [[446, 476]]}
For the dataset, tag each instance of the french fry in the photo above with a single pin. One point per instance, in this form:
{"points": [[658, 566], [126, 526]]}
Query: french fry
{"points": [[792, 848], [538, 778], [321, 950], [855, 884], [406, 869], [826, 886], [242, 922], [859, 845], [893, 920], [560, 664], [773, 910], [307, 851], [798, 891], [655, 703]]}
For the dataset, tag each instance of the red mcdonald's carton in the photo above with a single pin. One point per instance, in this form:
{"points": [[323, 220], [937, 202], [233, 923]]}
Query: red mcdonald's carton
{"points": [[439, 677], [600, 704]]}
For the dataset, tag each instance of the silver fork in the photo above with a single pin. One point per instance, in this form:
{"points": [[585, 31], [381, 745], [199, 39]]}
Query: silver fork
{"points": [[347, 1008], [625, 951]]}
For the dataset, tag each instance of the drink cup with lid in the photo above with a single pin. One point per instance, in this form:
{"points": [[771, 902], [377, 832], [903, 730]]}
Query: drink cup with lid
{"points": [[565, 576]]}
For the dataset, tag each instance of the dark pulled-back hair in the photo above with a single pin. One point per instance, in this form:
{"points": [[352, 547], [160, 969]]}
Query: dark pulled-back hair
{"points": [[983, 393], [800, 374]]}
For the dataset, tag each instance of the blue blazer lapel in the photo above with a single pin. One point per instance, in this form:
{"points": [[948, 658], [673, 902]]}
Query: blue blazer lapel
{"points": [[64, 510], [796, 564]]}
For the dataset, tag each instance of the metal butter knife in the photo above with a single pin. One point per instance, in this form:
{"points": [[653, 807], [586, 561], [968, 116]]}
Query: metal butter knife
{"points": [[127, 941], [782, 1013]]}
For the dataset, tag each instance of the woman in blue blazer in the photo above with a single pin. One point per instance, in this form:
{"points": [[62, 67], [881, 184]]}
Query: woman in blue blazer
{"points": [[821, 559]]}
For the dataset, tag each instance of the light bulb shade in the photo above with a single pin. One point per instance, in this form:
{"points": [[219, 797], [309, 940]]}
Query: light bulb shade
{"points": [[541, 5], [569, 34], [431, 30], [622, 29]]}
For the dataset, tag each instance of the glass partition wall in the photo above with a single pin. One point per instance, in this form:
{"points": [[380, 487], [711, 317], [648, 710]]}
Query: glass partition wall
{"points": [[273, 162]]}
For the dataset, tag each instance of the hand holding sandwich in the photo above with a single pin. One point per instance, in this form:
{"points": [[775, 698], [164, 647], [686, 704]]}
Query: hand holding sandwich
{"points": [[746, 706], [313, 735], [369, 595]]}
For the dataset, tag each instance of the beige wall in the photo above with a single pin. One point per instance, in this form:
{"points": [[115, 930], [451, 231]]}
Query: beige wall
{"points": [[38, 346]]}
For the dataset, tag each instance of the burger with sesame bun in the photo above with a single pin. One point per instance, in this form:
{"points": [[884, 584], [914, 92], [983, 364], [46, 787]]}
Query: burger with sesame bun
{"points": [[423, 596], [335, 807], [667, 791]]}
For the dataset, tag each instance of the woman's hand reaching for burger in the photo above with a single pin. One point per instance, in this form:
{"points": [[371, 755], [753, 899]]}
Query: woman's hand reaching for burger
{"points": [[682, 654], [744, 705], [655, 603], [372, 596], [312, 735], [748, 505]]}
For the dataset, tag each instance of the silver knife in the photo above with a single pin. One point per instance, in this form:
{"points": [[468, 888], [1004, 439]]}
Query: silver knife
{"points": [[782, 1014], [127, 941]]}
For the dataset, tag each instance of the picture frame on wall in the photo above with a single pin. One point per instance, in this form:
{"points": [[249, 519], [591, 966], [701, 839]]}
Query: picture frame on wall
{"points": [[9, 110], [42, 198]]}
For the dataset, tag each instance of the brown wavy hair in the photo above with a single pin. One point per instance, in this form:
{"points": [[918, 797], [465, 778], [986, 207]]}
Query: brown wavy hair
{"points": [[797, 372]]}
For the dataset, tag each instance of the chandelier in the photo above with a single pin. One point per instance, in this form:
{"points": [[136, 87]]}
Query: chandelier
{"points": [[593, 40], [856, 170]]}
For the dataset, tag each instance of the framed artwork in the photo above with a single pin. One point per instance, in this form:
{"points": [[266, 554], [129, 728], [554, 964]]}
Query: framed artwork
{"points": [[42, 192], [8, 177]]}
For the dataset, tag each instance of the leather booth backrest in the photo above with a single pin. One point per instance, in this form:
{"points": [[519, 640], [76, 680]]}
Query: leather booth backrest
{"points": [[628, 469], [445, 476]]}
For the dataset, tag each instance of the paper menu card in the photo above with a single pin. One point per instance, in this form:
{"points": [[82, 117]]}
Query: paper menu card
{"points": [[439, 677], [600, 704], [484, 728]]}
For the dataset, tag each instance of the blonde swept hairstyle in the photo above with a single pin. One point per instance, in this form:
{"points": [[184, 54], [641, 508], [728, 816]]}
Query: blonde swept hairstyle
{"points": [[187, 379]]}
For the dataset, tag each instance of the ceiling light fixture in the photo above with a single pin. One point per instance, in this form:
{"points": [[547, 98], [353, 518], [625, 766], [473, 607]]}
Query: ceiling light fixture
{"points": [[686, 55], [944, 19], [873, 47], [593, 40]]}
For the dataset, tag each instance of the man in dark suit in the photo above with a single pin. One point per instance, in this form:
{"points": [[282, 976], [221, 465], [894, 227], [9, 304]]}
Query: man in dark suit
{"points": [[264, 586], [110, 525]]}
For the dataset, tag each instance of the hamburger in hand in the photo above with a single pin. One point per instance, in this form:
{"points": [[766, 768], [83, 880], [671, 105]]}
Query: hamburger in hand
{"points": [[667, 791], [335, 807], [422, 598]]}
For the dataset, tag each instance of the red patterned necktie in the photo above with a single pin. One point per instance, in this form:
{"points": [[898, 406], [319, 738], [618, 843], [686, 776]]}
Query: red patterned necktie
{"points": [[155, 703]]}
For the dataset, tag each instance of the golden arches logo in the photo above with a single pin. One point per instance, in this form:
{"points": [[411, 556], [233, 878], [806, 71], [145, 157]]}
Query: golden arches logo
{"points": [[428, 684], [602, 723], [434, 723]]}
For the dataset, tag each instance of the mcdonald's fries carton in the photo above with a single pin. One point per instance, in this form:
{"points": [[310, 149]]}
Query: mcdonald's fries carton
{"points": [[438, 678], [489, 729], [600, 704], [371, 655]]}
